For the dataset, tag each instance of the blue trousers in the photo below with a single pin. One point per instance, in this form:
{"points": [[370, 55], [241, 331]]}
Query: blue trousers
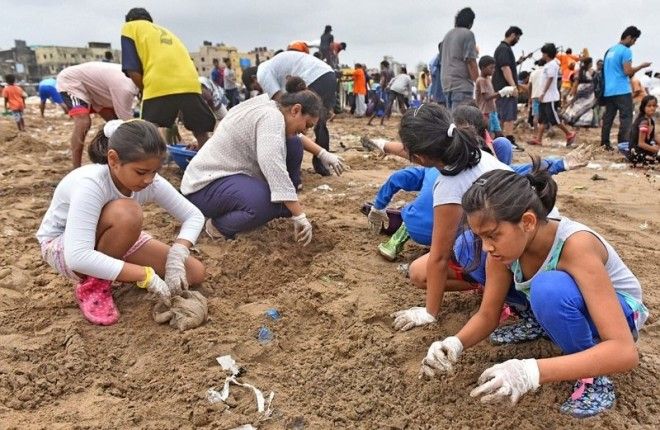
{"points": [[240, 203], [559, 307]]}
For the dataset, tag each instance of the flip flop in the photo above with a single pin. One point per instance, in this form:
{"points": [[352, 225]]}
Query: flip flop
{"points": [[95, 301], [570, 138]]}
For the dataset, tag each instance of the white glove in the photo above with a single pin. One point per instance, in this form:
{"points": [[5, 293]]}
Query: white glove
{"points": [[377, 218], [331, 161], [441, 357], [302, 229], [154, 284], [510, 379], [413, 317], [507, 91], [175, 268]]}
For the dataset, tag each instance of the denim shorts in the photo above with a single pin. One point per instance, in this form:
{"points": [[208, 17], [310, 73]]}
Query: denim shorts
{"points": [[535, 107], [17, 115]]}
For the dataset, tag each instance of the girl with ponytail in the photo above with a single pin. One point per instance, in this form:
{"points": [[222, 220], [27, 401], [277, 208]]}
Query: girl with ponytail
{"points": [[432, 140], [92, 231], [580, 291]]}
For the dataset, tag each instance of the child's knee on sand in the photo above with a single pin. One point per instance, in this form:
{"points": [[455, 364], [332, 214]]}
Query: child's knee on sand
{"points": [[119, 227], [417, 272], [195, 271]]}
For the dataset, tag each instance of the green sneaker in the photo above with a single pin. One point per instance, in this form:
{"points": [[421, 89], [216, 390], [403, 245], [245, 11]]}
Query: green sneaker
{"points": [[393, 247]]}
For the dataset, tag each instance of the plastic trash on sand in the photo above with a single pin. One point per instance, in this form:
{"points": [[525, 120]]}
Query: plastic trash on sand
{"points": [[228, 364], [324, 187]]}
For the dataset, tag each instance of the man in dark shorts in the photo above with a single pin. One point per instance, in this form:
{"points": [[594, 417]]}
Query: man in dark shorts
{"points": [[506, 76], [160, 65]]}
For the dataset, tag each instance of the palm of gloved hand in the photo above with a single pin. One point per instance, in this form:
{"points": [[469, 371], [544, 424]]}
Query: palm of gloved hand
{"points": [[332, 161], [302, 229], [508, 380], [377, 218], [158, 287], [441, 357], [175, 268], [413, 317]]}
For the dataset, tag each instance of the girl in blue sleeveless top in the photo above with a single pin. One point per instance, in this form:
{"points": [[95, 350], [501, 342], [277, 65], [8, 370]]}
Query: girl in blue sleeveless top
{"points": [[580, 291]]}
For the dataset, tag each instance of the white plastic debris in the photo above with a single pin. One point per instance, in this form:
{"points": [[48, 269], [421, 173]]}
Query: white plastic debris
{"points": [[618, 166], [245, 427], [324, 187], [229, 364], [594, 166], [644, 226]]}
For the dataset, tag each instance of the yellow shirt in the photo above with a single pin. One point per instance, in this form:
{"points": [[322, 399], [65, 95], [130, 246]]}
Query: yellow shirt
{"points": [[161, 57]]}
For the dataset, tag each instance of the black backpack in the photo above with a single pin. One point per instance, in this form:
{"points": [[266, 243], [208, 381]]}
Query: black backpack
{"points": [[599, 83]]}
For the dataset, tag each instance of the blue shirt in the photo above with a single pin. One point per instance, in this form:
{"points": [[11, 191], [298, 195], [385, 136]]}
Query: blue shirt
{"points": [[418, 214], [616, 80]]}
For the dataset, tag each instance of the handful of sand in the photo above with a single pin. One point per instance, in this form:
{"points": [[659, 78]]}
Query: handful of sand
{"points": [[189, 310]]}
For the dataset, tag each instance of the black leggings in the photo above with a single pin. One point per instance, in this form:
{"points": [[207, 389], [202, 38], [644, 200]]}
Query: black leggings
{"points": [[326, 87]]}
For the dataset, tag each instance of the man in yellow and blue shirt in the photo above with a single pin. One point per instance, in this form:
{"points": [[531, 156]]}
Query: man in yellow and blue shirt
{"points": [[160, 65]]}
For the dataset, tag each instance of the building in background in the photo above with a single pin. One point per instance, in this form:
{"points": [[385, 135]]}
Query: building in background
{"points": [[34, 62], [19, 61], [52, 59], [203, 59]]}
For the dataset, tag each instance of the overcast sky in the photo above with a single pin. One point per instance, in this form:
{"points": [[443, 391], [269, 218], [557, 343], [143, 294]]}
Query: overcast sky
{"points": [[408, 30]]}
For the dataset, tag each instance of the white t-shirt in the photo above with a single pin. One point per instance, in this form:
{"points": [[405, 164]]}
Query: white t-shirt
{"points": [[536, 78], [76, 207], [450, 189], [251, 141], [401, 84], [550, 71], [272, 74]]}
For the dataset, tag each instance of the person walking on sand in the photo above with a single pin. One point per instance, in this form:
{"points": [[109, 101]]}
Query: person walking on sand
{"points": [[549, 97], [14, 101]]}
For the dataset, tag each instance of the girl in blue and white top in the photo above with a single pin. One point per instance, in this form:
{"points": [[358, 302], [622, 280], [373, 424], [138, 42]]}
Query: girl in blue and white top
{"points": [[581, 292], [92, 231]]}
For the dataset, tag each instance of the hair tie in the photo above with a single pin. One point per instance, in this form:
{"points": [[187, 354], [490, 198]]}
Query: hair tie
{"points": [[111, 126], [417, 110], [450, 130]]}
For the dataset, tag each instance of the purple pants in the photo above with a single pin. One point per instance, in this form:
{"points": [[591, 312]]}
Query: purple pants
{"points": [[239, 203]]}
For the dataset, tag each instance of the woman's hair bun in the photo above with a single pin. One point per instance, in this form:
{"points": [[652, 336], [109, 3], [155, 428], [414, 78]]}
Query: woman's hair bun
{"points": [[295, 84]]}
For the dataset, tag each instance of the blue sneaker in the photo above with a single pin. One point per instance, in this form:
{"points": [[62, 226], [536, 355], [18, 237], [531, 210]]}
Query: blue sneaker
{"points": [[590, 397], [524, 330]]}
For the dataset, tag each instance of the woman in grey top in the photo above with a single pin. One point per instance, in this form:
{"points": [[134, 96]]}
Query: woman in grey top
{"points": [[248, 172]]}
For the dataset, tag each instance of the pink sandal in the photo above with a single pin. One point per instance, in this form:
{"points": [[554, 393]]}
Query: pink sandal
{"points": [[95, 300]]}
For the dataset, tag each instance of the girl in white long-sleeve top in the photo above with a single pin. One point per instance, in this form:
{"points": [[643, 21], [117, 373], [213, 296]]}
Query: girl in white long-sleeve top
{"points": [[92, 231]]}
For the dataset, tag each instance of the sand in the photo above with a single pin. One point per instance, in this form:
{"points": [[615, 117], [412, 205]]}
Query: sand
{"points": [[335, 361]]}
